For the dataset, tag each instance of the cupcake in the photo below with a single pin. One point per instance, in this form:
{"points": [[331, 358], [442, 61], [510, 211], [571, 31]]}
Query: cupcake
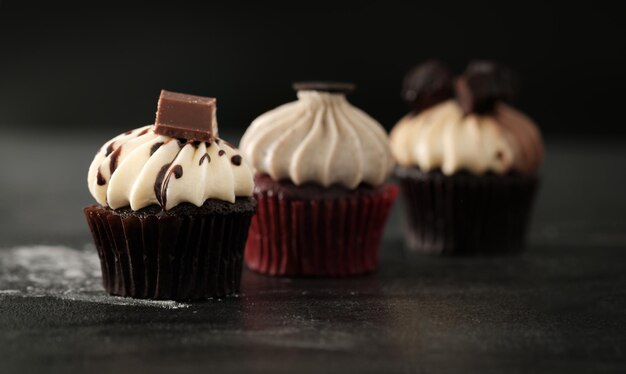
{"points": [[174, 206], [467, 161], [321, 166]]}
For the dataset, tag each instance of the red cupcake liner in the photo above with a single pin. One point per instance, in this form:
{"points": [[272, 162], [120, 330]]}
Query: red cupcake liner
{"points": [[466, 214], [187, 257], [323, 237]]}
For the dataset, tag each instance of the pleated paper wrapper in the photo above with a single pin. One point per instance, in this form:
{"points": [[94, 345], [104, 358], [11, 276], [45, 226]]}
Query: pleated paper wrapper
{"points": [[187, 257], [466, 214], [319, 237]]}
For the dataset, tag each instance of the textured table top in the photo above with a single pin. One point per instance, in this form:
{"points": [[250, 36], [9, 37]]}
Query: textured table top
{"points": [[559, 307]]}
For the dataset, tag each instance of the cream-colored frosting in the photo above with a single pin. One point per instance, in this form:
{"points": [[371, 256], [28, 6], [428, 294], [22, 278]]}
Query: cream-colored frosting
{"points": [[319, 138], [442, 137], [196, 171]]}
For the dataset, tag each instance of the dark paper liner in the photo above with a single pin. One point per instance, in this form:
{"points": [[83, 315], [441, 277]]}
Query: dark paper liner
{"points": [[466, 214], [319, 237], [187, 257]]}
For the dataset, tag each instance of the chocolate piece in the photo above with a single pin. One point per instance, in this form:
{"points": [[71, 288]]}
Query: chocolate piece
{"points": [[427, 85], [482, 85], [186, 116], [332, 87]]}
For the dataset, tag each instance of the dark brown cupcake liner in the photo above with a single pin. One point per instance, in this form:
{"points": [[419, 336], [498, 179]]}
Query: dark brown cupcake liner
{"points": [[152, 256], [466, 214], [318, 237]]}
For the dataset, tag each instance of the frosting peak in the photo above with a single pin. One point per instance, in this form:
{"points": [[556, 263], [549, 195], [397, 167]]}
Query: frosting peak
{"points": [[320, 138], [140, 168]]}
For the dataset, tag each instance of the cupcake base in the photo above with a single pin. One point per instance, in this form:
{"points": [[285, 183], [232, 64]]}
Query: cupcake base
{"points": [[314, 231], [464, 214], [186, 253]]}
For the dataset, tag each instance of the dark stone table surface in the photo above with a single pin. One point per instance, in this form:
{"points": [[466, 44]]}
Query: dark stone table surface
{"points": [[559, 307]]}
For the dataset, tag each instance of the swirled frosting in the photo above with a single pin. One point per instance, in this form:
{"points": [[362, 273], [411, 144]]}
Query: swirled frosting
{"points": [[443, 137], [140, 168], [320, 138]]}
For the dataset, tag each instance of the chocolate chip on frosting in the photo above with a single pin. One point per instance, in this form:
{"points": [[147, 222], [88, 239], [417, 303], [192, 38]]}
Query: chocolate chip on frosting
{"points": [[426, 85], [482, 85], [177, 170], [236, 160]]}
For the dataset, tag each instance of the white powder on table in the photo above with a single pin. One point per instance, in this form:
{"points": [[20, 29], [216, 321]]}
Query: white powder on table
{"points": [[62, 272]]}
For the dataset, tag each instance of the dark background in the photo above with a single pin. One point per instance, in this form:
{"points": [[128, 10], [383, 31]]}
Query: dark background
{"points": [[101, 66], [72, 77]]}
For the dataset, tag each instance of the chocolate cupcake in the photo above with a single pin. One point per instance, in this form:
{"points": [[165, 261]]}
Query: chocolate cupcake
{"points": [[174, 206], [467, 161], [321, 166]]}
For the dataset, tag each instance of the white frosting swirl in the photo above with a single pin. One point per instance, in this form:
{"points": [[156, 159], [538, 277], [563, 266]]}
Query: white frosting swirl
{"points": [[140, 168], [442, 137], [319, 138]]}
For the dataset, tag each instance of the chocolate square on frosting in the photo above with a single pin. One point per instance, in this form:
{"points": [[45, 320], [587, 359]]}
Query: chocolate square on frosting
{"points": [[186, 116]]}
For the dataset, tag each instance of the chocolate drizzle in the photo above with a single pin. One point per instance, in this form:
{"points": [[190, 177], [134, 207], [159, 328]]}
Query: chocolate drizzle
{"points": [[100, 179], [143, 132], [177, 172], [114, 156], [236, 160], [221, 152], [204, 157], [158, 185], [155, 147], [109, 149], [162, 180]]}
